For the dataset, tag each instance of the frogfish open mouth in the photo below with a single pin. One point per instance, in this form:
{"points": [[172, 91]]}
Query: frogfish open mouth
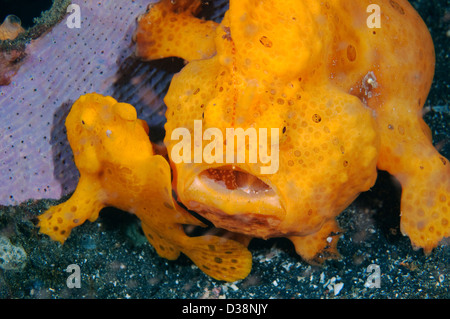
{"points": [[242, 202]]}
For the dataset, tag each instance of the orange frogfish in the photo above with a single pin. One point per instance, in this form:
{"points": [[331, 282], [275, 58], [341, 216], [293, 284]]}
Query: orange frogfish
{"points": [[118, 168], [343, 84]]}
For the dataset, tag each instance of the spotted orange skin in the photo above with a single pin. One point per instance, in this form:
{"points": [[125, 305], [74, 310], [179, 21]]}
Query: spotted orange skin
{"points": [[347, 97]]}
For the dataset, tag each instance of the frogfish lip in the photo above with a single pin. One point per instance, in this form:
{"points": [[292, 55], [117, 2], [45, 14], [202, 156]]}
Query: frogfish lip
{"points": [[236, 200]]}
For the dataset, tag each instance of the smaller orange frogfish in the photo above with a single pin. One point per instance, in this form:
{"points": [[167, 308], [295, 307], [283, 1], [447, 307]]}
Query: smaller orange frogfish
{"points": [[118, 168]]}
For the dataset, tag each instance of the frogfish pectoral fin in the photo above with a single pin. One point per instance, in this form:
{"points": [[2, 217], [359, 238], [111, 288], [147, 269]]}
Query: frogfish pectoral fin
{"points": [[163, 247], [321, 245], [58, 221], [218, 257]]}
